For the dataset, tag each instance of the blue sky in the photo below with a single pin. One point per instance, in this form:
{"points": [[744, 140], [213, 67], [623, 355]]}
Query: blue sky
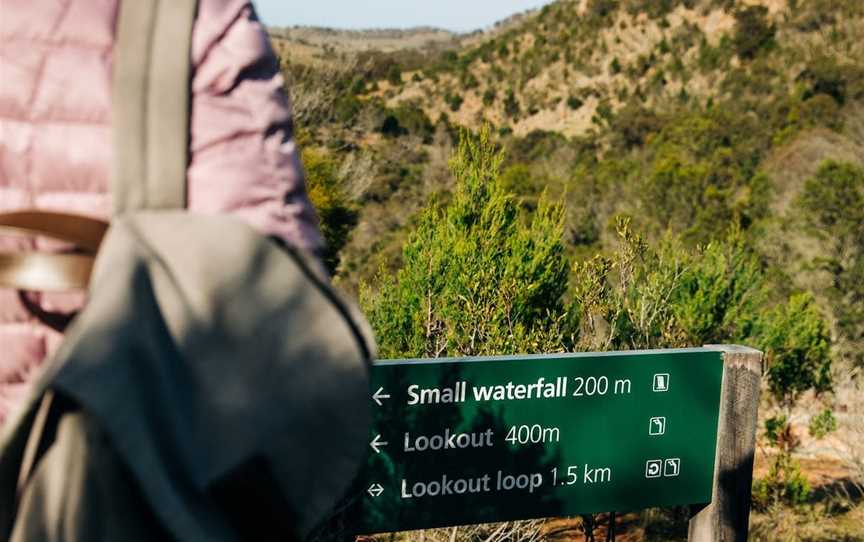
{"points": [[460, 15]]}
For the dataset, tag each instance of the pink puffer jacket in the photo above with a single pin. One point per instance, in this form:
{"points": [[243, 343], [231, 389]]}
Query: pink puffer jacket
{"points": [[55, 152]]}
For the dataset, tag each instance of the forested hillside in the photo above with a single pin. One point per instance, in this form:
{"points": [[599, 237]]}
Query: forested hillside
{"points": [[613, 174]]}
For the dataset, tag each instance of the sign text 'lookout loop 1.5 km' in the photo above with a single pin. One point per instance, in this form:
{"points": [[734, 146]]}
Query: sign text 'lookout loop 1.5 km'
{"points": [[475, 440]]}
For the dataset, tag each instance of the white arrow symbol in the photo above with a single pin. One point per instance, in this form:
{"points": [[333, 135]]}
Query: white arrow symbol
{"points": [[375, 490], [376, 443], [378, 396]]}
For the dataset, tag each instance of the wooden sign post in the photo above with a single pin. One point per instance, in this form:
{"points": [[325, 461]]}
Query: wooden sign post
{"points": [[727, 518]]}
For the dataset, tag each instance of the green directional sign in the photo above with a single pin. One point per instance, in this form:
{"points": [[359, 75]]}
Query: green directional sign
{"points": [[475, 440]]}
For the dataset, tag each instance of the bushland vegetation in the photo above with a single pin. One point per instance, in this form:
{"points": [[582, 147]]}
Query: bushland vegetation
{"points": [[620, 174]]}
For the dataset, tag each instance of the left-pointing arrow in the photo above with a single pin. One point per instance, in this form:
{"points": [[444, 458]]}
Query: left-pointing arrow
{"points": [[376, 443], [375, 490], [378, 395]]}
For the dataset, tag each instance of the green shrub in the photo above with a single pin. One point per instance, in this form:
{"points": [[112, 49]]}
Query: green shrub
{"points": [[602, 8], [468, 80], [407, 119], [784, 484], [337, 214], [453, 101], [655, 9], [346, 108], [518, 180], [488, 97], [535, 145], [644, 296], [822, 110], [713, 58], [775, 428], [822, 424], [796, 115], [391, 127], [825, 75], [719, 293], [511, 105], [604, 111], [641, 65], [796, 342], [476, 278], [358, 85], [677, 69], [702, 174], [633, 125], [753, 32], [574, 102], [394, 75], [631, 299], [832, 210]]}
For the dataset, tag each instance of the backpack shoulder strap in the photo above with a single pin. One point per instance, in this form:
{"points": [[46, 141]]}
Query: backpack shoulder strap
{"points": [[151, 102]]}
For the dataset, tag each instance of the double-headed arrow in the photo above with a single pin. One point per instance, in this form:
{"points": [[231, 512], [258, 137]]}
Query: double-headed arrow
{"points": [[378, 395], [375, 490], [376, 442]]}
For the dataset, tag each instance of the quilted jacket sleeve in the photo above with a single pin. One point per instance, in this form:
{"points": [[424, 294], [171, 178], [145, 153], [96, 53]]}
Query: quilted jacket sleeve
{"points": [[244, 160]]}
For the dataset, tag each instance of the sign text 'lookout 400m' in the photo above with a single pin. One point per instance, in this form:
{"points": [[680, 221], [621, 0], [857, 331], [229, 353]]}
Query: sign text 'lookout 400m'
{"points": [[477, 440]]}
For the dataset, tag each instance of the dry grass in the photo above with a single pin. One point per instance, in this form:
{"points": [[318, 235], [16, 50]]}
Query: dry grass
{"points": [[352, 41], [850, 437], [519, 531], [829, 521]]}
